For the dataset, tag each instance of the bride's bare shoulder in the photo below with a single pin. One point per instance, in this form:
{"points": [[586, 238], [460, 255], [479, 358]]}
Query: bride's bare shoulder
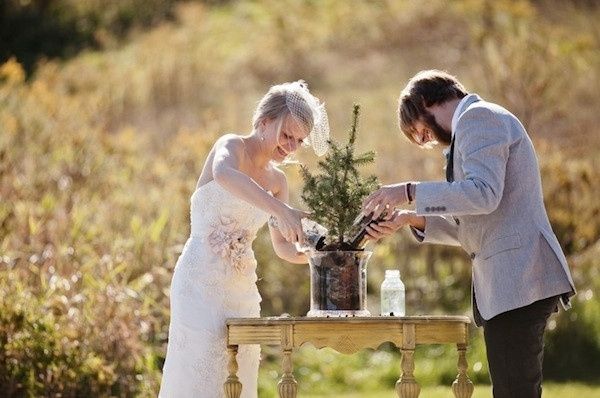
{"points": [[227, 148], [229, 141]]}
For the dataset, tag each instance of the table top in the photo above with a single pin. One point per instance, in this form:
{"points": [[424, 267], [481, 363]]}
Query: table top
{"points": [[288, 320]]}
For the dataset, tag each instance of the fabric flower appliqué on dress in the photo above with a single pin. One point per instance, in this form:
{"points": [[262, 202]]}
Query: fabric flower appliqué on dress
{"points": [[231, 242]]}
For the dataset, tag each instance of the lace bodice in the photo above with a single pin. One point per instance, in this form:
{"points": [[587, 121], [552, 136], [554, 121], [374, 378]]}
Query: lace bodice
{"points": [[213, 205], [225, 222]]}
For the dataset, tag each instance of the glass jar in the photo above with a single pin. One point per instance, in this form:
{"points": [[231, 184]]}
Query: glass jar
{"points": [[338, 283]]}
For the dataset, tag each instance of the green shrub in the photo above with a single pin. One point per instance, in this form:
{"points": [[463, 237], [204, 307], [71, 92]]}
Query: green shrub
{"points": [[573, 341], [31, 30], [98, 157], [38, 357]]}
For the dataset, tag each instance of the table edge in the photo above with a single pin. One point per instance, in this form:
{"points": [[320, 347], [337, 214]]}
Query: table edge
{"points": [[416, 319]]}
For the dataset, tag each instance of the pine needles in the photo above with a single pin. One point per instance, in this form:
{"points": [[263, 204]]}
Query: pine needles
{"points": [[336, 193]]}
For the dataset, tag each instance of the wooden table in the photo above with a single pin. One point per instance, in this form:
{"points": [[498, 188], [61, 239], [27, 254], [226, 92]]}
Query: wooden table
{"points": [[349, 335]]}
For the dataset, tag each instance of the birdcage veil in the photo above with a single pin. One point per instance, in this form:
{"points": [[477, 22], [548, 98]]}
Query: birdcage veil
{"points": [[307, 110]]}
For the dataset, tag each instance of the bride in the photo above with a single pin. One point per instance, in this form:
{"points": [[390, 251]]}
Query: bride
{"points": [[239, 189]]}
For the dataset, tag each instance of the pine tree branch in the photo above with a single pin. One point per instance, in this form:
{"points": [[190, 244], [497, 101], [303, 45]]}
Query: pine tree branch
{"points": [[336, 192]]}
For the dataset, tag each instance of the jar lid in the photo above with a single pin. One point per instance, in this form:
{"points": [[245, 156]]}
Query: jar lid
{"points": [[392, 273]]}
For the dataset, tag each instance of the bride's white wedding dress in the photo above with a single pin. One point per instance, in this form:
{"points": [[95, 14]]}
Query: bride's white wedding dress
{"points": [[214, 279]]}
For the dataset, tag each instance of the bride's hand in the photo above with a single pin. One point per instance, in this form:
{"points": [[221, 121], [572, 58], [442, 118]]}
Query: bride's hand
{"points": [[289, 223]]}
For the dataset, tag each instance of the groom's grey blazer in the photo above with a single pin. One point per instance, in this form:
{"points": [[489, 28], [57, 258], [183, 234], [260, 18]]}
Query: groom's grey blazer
{"points": [[494, 209]]}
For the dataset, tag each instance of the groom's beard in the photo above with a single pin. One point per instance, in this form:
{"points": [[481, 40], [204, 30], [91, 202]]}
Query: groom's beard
{"points": [[442, 135]]}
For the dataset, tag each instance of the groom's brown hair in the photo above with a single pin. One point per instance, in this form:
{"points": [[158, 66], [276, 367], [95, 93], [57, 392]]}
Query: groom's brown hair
{"points": [[426, 88]]}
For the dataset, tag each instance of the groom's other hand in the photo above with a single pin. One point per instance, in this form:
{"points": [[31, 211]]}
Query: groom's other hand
{"points": [[385, 198], [393, 223]]}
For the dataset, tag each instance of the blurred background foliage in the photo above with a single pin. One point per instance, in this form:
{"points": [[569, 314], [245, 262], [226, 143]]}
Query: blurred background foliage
{"points": [[108, 108]]}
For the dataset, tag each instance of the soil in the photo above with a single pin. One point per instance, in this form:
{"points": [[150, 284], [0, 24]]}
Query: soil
{"points": [[334, 247], [336, 281]]}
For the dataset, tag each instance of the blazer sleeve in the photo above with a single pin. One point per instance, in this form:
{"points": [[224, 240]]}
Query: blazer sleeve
{"points": [[483, 145], [439, 230]]}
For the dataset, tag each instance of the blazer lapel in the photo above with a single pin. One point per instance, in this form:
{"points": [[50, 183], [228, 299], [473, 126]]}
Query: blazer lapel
{"points": [[450, 155], [450, 162]]}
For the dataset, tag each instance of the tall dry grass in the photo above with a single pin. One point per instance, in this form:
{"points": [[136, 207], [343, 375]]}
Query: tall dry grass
{"points": [[98, 157]]}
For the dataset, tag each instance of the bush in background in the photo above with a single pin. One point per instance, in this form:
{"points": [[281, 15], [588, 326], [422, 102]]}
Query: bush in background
{"points": [[37, 29], [99, 155]]}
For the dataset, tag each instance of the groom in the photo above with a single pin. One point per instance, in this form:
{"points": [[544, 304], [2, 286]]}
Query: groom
{"points": [[491, 204]]}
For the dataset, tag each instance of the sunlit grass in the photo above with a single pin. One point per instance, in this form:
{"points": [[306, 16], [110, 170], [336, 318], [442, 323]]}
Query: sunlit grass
{"points": [[550, 390], [99, 154]]}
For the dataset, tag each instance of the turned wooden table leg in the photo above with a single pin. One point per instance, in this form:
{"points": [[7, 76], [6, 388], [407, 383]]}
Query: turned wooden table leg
{"points": [[287, 386], [233, 387], [462, 386], [407, 386]]}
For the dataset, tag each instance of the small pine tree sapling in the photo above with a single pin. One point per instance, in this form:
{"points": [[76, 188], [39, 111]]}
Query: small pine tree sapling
{"points": [[335, 194]]}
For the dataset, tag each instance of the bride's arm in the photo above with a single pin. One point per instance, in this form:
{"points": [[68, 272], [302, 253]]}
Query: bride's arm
{"points": [[284, 249], [225, 170]]}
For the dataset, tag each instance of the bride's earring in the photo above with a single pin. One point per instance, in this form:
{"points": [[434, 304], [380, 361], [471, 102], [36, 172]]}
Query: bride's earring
{"points": [[260, 131]]}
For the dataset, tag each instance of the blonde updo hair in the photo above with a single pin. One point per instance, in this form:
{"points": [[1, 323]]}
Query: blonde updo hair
{"points": [[276, 105]]}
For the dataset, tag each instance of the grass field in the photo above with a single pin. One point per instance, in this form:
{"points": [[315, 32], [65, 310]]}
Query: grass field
{"points": [[100, 152], [551, 390]]}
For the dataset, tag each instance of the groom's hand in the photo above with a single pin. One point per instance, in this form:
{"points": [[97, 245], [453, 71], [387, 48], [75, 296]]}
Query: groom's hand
{"points": [[391, 224], [384, 199]]}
